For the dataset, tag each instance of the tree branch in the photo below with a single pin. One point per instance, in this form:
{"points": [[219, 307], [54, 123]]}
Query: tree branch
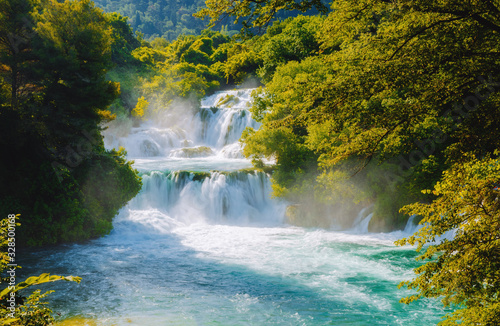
{"points": [[421, 31]]}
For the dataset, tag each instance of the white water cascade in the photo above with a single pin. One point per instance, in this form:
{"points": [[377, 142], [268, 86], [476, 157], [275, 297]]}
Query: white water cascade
{"points": [[204, 243], [191, 162], [213, 130]]}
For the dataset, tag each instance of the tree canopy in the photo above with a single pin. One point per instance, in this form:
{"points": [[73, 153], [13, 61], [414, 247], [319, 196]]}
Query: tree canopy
{"points": [[465, 267], [54, 57]]}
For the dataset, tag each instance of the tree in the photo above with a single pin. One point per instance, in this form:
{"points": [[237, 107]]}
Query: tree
{"points": [[464, 269], [16, 23], [167, 18], [141, 107], [124, 41], [241, 62], [50, 126], [296, 40], [73, 45]]}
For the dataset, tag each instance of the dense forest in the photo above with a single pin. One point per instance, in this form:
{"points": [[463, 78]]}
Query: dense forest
{"points": [[167, 19], [170, 19], [390, 105]]}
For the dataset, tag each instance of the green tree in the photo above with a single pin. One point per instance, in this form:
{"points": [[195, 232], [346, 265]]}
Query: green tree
{"points": [[124, 41], [190, 68], [167, 19], [291, 40], [16, 23], [141, 108], [52, 128], [464, 269], [73, 46], [242, 62]]}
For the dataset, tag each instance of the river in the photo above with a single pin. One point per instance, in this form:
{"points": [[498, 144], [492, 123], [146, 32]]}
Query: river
{"points": [[205, 244]]}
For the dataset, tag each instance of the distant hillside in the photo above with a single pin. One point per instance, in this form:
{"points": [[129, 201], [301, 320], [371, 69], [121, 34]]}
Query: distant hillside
{"points": [[171, 18], [162, 18]]}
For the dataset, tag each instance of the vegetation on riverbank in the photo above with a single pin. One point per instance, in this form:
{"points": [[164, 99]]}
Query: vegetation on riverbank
{"points": [[15, 307], [55, 170]]}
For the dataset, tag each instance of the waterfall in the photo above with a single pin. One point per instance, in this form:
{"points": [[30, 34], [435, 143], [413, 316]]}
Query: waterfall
{"points": [[213, 129], [224, 116], [411, 227], [207, 188], [360, 224], [210, 197]]}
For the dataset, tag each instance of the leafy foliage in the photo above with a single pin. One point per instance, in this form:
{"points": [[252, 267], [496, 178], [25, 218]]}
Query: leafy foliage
{"points": [[28, 310], [123, 40], [50, 121], [188, 68], [166, 19], [140, 108], [464, 269], [253, 13], [293, 39]]}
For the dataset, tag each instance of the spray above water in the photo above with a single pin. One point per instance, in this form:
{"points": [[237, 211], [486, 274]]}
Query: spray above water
{"points": [[213, 129]]}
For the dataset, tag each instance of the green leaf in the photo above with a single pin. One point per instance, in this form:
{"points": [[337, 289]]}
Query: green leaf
{"points": [[35, 280]]}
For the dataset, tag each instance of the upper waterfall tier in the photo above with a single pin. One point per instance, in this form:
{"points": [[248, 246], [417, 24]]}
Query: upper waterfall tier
{"points": [[212, 130]]}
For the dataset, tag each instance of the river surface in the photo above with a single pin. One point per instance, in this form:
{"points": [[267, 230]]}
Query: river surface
{"points": [[205, 244]]}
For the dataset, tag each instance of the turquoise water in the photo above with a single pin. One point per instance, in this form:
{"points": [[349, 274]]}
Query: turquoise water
{"points": [[231, 275]]}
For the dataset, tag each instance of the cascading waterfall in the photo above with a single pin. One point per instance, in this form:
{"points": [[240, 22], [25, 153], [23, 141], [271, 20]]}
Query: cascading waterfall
{"points": [[210, 197], [360, 224], [211, 130], [204, 243], [207, 190], [225, 116]]}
